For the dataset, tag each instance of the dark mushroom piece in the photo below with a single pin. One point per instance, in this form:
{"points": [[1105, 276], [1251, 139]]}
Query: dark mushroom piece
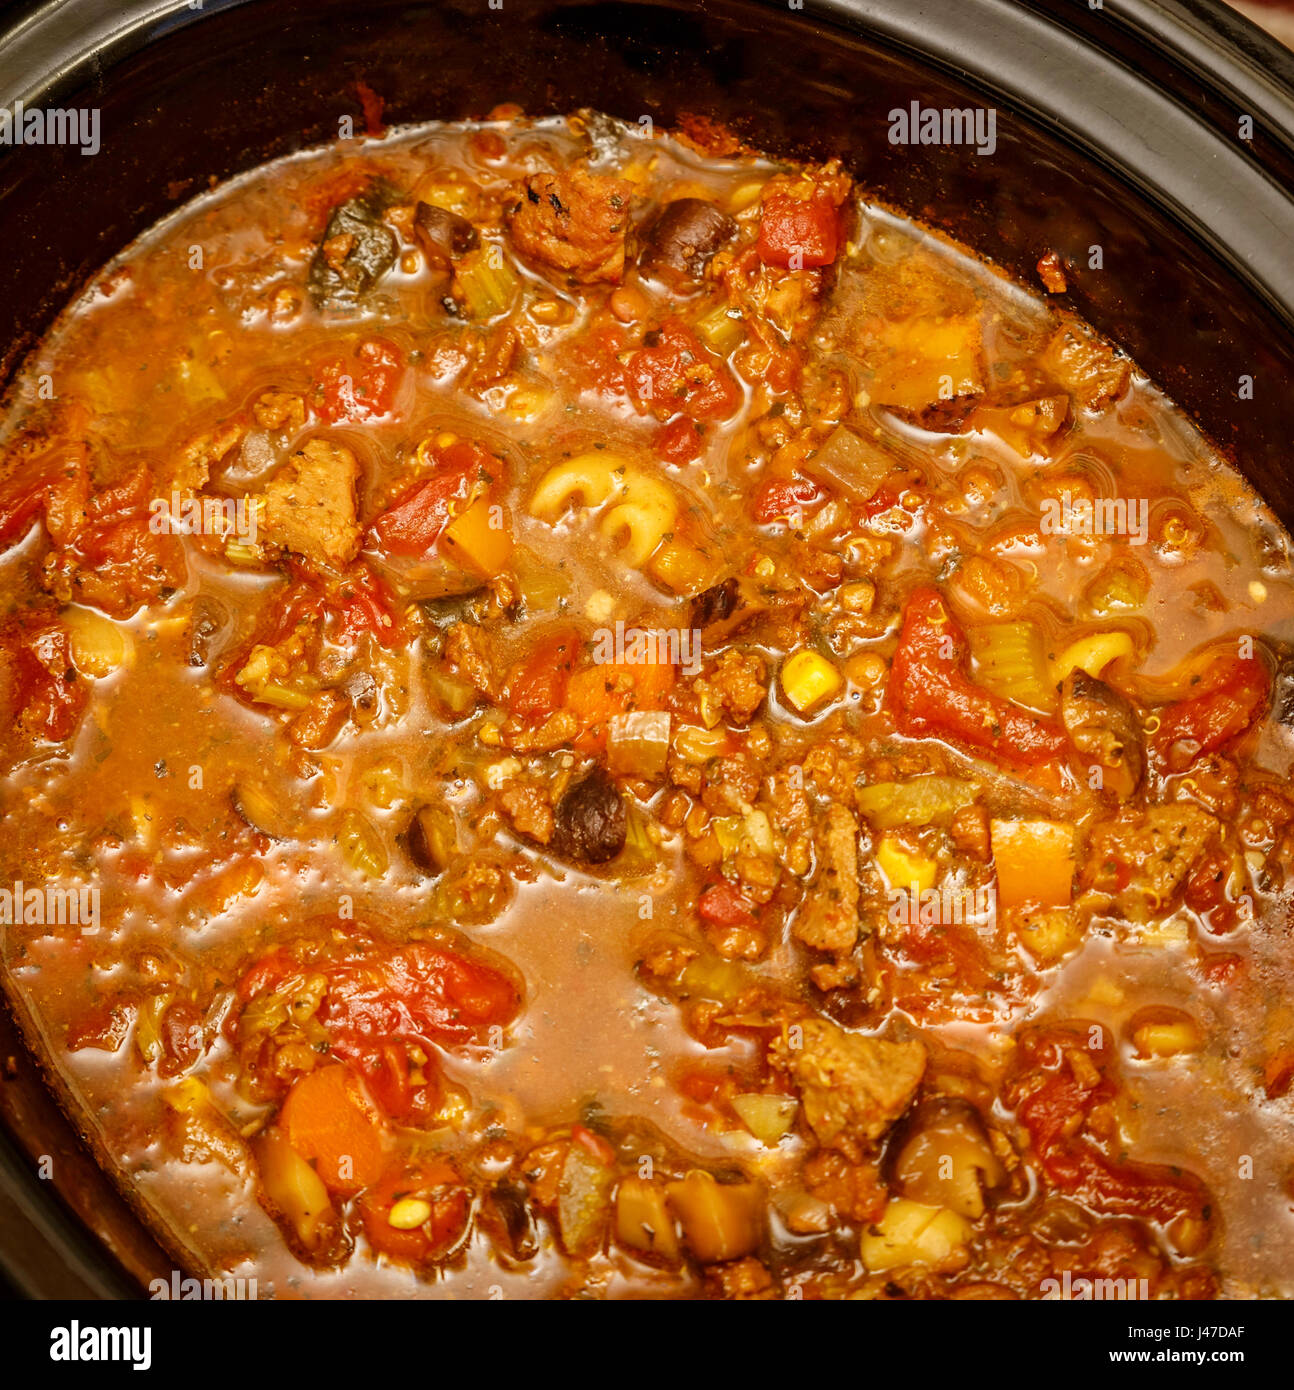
{"points": [[431, 839], [680, 243], [507, 1214], [209, 620], [940, 1154], [721, 610], [357, 249], [443, 235], [1103, 727], [714, 604], [590, 821]]}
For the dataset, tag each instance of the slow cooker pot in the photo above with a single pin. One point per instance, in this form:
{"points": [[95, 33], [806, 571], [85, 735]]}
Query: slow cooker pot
{"points": [[1155, 137]]}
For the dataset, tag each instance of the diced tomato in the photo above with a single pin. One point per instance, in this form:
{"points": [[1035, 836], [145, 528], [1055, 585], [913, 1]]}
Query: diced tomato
{"points": [[679, 441], [595, 361], [352, 605], [880, 501], [444, 1196], [330, 1119], [593, 1144], [724, 905], [800, 233], [1235, 696], [414, 524], [360, 605], [414, 993], [268, 972], [361, 387], [1054, 1114], [782, 499], [929, 693], [45, 695], [388, 1077], [537, 685], [672, 372], [1220, 969]]}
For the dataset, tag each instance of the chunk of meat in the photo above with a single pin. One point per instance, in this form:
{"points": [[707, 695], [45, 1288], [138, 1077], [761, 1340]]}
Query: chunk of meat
{"points": [[467, 649], [853, 1087], [1103, 727], [1090, 370], [574, 222], [310, 506], [198, 457], [530, 810], [1141, 858], [737, 683], [828, 919]]}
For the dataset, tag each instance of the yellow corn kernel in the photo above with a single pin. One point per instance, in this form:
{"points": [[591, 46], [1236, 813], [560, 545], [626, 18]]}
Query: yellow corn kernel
{"points": [[1092, 654], [1166, 1037], [809, 679], [528, 400], [903, 869], [409, 1213]]}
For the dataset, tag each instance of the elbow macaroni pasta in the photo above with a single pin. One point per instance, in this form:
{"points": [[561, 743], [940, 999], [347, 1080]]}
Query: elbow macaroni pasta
{"points": [[590, 478], [644, 507]]}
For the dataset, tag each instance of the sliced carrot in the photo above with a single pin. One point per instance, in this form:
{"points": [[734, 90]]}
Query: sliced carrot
{"points": [[333, 1123], [600, 692]]}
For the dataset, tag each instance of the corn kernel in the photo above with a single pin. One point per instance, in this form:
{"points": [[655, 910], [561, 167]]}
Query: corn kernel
{"points": [[409, 1213], [809, 679], [903, 869]]}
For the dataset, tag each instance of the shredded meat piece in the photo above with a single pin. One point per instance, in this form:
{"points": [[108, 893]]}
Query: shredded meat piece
{"points": [[558, 729], [737, 684], [742, 1279], [192, 469], [574, 222], [854, 1190], [828, 918], [853, 1087], [1086, 367], [530, 810], [279, 410], [467, 647], [310, 504], [1142, 857]]}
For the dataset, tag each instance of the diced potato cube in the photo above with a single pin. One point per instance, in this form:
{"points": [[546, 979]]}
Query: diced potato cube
{"points": [[911, 1233], [720, 1221], [643, 1221], [767, 1117]]}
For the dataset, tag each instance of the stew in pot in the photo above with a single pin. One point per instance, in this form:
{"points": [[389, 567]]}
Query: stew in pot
{"points": [[595, 713]]}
